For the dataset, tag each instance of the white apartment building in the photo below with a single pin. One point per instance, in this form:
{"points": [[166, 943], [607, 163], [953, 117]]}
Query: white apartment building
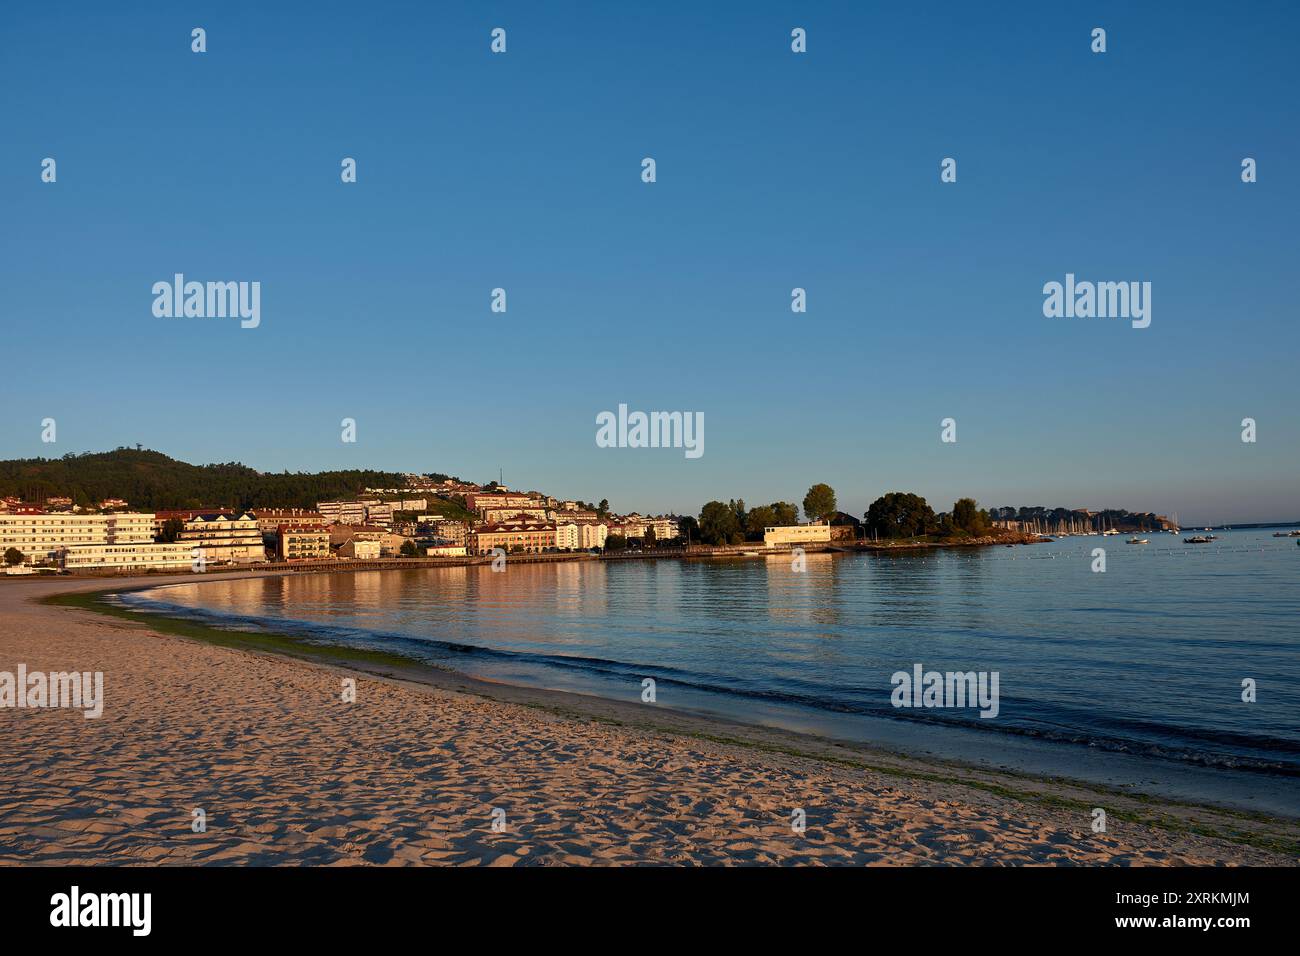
{"points": [[446, 551], [379, 513], [370, 512], [477, 502], [567, 537], [342, 512], [497, 515], [592, 536], [153, 556], [665, 528], [43, 537], [225, 538], [797, 534]]}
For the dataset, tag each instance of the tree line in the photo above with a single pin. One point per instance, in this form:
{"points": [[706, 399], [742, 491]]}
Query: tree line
{"points": [[151, 481], [897, 514]]}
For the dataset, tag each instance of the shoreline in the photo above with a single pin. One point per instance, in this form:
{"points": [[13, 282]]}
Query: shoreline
{"points": [[1238, 836]]}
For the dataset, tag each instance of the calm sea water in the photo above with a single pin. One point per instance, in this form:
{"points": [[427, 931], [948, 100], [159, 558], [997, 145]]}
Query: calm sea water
{"points": [[1130, 677]]}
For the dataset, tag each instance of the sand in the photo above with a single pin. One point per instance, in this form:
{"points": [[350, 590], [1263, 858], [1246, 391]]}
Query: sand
{"points": [[288, 773]]}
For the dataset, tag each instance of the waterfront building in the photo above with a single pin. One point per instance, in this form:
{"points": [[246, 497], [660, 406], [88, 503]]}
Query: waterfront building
{"points": [[225, 538], [302, 542], [592, 536], [794, 534], [42, 536], [666, 528], [445, 551], [567, 537], [359, 549], [514, 536], [151, 556]]}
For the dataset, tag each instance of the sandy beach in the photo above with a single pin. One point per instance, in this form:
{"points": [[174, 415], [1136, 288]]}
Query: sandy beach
{"points": [[287, 773]]}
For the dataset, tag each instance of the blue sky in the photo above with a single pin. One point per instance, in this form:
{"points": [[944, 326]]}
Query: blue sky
{"points": [[775, 170]]}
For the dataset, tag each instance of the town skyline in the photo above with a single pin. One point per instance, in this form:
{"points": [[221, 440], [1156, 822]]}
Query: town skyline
{"points": [[846, 494]]}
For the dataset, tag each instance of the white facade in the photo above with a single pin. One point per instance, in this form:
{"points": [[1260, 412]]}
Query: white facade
{"points": [[360, 549], [446, 551], [342, 512], [592, 536], [567, 537], [666, 529], [177, 555], [225, 538], [42, 537], [797, 534]]}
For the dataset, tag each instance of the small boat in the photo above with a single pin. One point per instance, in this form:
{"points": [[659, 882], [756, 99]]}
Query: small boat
{"points": [[1196, 539], [1138, 541]]}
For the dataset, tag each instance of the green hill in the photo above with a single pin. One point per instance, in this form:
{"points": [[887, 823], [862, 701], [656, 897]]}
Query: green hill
{"points": [[151, 481]]}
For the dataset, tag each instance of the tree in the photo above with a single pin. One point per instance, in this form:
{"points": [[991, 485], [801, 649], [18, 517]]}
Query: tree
{"points": [[689, 528], [764, 516], [615, 542], [819, 503], [602, 509], [718, 523], [171, 529], [966, 516], [785, 513], [14, 557], [409, 550], [650, 538], [900, 514]]}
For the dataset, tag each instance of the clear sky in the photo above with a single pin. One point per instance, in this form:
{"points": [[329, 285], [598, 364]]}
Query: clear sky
{"points": [[775, 170]]}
